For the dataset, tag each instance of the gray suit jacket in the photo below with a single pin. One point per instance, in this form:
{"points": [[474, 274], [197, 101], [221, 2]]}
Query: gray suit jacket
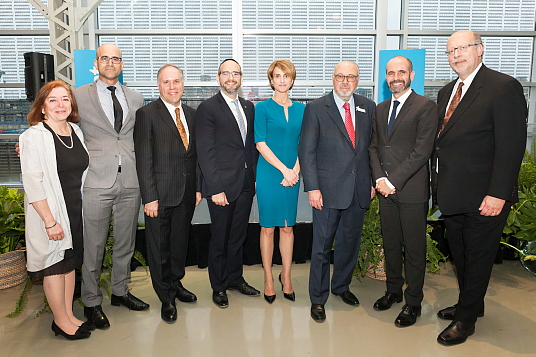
{"points": [[328, 161], [104, 143], [404, 154]]}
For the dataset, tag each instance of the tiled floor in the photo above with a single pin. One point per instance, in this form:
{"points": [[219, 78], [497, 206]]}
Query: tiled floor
{"points": [[252, 327]]}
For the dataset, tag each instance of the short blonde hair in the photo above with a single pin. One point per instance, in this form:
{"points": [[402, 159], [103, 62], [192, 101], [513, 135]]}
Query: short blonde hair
{"points": [[286, 66]]}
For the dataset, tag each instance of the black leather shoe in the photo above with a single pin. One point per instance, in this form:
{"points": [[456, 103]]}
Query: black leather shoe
{"points": [[408, 315], [457, 332], [185, 296], [246, 289], [348, 297], [220, 299], [130, 301], [96, 316], [169, 311], [318, 313], [386, 301], [269, 298], [78, 335], [448, 313], [87, 326]]}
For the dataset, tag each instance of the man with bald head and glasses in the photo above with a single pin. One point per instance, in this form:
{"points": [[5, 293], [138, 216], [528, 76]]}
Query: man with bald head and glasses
{"points": [[107, 114], [334, 161], [478, 151]]}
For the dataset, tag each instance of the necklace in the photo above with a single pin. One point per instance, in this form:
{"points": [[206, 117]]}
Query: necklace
{"points": [[70, 136]]}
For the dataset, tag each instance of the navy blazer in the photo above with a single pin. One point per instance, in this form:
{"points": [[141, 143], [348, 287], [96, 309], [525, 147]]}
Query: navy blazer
{"points": [[328, 161], [482, 146], [222, 155]]}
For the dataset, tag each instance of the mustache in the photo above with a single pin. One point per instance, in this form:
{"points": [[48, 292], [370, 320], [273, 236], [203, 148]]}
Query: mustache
{"points": [[397, 81]]}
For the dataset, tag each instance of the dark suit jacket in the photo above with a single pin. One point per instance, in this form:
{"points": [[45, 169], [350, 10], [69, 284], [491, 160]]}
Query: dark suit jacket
{"points": [[328, 161], [404, 154], [481, 148], [167, 172], [221, 151]]}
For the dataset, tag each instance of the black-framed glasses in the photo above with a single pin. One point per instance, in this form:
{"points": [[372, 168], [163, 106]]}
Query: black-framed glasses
{"points": [[227, 74], [461, 49], [105, 59], [342, 77]]}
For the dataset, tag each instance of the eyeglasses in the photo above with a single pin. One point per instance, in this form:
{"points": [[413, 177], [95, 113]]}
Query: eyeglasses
{"points": [[461, 49], [105, 59], [342, 77], [227, 74]]}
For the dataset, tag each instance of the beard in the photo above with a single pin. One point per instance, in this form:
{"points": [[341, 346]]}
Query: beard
{"points": [[230, 87], [401, 89]]}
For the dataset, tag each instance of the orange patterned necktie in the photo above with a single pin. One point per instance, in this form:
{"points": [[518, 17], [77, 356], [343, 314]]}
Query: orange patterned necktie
{"points": [[180, 127], [453, 104]]}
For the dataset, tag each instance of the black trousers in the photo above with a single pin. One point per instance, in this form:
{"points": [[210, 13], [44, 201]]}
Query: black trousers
{"points": [[325, 224], [473, 241], [404, 245], [228, 233], [167, 238]]}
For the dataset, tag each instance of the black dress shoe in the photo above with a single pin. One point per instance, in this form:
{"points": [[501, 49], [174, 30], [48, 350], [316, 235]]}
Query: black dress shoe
{"points": [[78, 335], [220, 299], [291, 296], [348, 297], [269, 298], [408, 315], [130, 301], [318, 313], [87, 326], [246, 289], [386, 301], [96, 316], [448, 313], [169, 311], [185, 295], [457, 332]]}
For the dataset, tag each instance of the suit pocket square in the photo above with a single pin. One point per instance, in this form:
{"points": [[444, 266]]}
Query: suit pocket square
{"points": [[360, 109]]}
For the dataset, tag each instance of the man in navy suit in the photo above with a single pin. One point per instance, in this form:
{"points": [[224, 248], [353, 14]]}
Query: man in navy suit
{"points": [[478, 152], [227, 157], [334, 160], [166, 163]]}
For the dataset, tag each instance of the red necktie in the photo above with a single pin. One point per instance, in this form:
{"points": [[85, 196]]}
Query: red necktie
{"points": [[453, 104], [348, 123]]}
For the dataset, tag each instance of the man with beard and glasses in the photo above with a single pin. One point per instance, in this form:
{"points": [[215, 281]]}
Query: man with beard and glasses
{"points": [[227, 157], [335, 164], [403, 131]]}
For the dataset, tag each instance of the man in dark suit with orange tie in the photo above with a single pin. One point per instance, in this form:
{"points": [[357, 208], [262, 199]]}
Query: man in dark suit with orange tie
{"points": [[476, 162], [334, 160], [403, 133], [166, 162], [227, 157]]}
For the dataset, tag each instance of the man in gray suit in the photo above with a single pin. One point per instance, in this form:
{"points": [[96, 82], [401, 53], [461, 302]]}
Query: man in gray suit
{"points": [[107, 114], [335, 165], [403, 133]]}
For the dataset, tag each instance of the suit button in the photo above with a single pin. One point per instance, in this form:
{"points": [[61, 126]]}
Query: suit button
{"points": [[353, 172], [118, 138], [355, 154], [437, 148]]}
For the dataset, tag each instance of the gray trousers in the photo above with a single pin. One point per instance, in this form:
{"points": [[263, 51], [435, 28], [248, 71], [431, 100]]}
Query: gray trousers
{"points": [[98, 204]]}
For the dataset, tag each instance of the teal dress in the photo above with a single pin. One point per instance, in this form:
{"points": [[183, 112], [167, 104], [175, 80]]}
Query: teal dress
{"points": [[277, 204]]}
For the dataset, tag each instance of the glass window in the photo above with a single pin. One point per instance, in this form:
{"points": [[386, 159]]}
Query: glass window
{"points": [[12, 51], [21, 15]]}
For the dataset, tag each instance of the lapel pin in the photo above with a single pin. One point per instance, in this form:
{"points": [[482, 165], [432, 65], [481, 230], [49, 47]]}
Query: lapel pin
{"points": [[357, 108]]}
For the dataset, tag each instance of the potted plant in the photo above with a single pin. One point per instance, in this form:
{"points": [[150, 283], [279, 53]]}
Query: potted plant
{"points": [[12, 259]]}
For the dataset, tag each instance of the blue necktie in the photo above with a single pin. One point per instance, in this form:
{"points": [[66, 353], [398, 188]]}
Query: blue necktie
{"points": [[393, 117], [241, 122]]}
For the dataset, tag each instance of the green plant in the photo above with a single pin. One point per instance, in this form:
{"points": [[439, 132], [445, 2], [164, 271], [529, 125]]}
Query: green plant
{"points": [[371, 250], [11, 219]]}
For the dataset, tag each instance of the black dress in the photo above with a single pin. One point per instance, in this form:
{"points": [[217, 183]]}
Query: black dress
{"points": [[71, 165]]}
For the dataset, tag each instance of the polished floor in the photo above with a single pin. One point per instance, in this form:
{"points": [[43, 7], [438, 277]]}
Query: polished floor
{"points": [[252, 327]]}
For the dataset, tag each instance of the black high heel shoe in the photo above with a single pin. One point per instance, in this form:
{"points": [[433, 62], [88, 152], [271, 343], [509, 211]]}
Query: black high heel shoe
{"points": [[291, 296], [78, 335], [269, 298]]}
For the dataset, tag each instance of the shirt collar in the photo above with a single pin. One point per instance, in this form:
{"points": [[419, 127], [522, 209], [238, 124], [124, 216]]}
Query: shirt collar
{"points": [[341, 102], [403, 97], [170, 107], [103, 87], [228, 99], [467, 82]]}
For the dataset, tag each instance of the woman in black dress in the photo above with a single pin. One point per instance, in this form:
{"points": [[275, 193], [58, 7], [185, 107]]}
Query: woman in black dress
{"points": [[54, 160]]}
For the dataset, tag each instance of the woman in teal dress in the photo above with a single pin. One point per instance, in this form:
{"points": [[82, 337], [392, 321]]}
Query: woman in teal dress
{"points": [[277, 133]]}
